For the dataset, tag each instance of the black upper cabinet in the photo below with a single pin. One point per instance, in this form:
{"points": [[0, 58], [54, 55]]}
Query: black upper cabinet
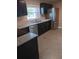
{"points": [[21, 9], [44, 8]]}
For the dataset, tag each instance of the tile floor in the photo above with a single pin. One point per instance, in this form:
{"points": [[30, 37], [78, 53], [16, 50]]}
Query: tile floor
{"points": [[50, 45]]}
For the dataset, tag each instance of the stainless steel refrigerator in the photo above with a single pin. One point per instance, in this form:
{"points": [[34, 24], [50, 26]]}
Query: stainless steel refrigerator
{"points": [[52, 16]]}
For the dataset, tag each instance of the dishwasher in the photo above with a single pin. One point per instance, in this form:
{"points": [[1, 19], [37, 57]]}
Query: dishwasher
{"points": [[33, 29]]}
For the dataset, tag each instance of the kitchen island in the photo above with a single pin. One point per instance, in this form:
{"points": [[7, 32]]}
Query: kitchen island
{"points": [[27, 46]]}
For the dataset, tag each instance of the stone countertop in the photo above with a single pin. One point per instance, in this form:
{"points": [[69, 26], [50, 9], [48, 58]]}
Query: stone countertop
{"points": [[24, 38], [23, 23]]}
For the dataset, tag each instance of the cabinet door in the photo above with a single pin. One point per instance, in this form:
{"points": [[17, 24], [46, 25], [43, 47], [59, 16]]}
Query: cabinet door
{"points": [[21, 8], [22, 31], [48, 25], [28, 50], [41, 28], [44, 7], [44, 27]]}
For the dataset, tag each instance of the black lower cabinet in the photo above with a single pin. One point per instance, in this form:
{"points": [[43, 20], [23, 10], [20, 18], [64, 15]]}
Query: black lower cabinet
{"points": [[28, 50], [22, 31], [44, 27]]}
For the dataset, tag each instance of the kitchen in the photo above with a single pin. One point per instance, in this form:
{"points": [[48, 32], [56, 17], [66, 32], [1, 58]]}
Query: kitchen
{"points": [[33, 21]]}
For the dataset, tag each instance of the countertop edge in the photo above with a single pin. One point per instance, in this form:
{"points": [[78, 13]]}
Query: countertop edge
{"points": [[29, 24], [24, 38]]}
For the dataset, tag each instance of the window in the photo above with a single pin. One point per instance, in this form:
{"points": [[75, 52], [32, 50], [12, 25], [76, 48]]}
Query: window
{"points": [[32, 12]]}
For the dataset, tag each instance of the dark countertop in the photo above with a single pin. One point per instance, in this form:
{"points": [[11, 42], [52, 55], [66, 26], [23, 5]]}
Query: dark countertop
{"points": [[24, 38]]}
